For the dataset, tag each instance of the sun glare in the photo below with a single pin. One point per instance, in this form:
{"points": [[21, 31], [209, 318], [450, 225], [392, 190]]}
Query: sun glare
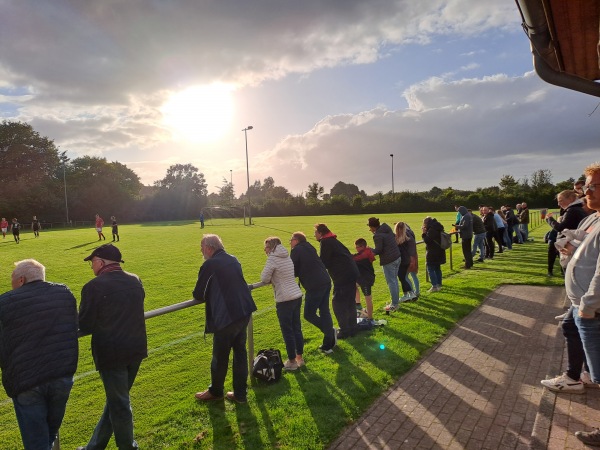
{"points": [[201, 113]]}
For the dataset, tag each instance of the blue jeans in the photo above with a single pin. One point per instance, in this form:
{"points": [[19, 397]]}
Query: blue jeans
{"points": [[575, 353], [40, 412], [589, 332], [524, 228], [232, 337], [415, 281], [507, 239], [319, 300], [390, 272], [117, 416], [288, 314], [435, 274], [479, 243]]}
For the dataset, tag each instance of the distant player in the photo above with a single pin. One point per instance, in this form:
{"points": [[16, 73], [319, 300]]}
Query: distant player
{"points": [[115, 228], [36, 226], [16, 226], [4, 227], [99, 225]]}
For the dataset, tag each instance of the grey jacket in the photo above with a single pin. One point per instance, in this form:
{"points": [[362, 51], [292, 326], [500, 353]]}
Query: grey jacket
{"points": [[385, 245], [582, 277], [465, 226]]}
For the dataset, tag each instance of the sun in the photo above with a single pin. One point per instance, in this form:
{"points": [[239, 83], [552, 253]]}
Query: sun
{"points": [[200, 113]]}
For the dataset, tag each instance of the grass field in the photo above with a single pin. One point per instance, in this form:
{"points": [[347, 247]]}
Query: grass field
{"points": [[307, 408]]}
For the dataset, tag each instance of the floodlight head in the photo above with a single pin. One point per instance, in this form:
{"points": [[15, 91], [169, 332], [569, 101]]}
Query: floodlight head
{"points": [[249, 127]]}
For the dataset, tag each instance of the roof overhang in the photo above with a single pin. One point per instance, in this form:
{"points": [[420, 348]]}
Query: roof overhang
{"points": [[564, 37]]}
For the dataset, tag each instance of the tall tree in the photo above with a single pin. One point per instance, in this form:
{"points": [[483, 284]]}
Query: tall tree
{"points": [[182, 193], [345, 189], [314, 191]]}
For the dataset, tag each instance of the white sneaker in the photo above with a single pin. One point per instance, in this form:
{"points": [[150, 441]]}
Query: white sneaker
{"points": [[290, 365], [405, 298], [586, 379], [564, 383]]}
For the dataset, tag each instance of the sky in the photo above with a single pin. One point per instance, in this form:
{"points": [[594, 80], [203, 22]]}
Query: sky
{"points": [[331, 90]]}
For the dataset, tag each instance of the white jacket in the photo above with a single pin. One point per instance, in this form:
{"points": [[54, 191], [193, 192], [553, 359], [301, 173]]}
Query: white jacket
{"points": [[279, 271]]}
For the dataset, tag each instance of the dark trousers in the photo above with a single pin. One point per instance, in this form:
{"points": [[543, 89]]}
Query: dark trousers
{"points": [[232, 337], [499, 238], [288, 314], [489, 244], [466, 249], [318, 300], [344, 308], [402, 272], [552, 255], [575, 354]]}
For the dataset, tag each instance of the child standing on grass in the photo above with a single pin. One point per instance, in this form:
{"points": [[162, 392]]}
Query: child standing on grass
{"points": [[366, 279]]}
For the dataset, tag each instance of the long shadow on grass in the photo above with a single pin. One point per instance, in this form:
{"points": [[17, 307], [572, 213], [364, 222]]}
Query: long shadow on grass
{"points": [[85, 245], [264, 395]]}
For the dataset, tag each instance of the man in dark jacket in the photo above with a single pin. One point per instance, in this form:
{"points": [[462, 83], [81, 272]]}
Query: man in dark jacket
{"points": [[490, 231], [478, 236], [465, 227], [344, 273], [38, 351], [313, 276], [229, 306], [112, 311], [389, 255]]}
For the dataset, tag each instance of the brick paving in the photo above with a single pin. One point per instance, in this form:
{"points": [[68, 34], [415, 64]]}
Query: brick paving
{"points": [[480, 387]]}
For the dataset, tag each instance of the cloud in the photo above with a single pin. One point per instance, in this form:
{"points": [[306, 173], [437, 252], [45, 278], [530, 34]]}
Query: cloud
{"points": [[465, 134]]}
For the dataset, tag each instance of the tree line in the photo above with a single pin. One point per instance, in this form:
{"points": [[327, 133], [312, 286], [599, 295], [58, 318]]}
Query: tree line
{"points": [[39, 179]]}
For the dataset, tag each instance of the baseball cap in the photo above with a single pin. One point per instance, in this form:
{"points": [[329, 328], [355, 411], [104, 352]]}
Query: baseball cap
{"points": [[106, 251]]}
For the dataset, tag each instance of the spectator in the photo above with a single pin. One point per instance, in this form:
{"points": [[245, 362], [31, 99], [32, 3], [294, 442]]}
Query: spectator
{"points": [[435, 255], [465, 227], [524, 221], [479, 237], [490, 231], [38, 336], [112, 311], [229, 306], [315, 280], [389, 256], [364, 258], [572, 213], [279, 272], [582, 284], [506, 239], [500, 226], [405, 238], [344, 273], [457, 221]]}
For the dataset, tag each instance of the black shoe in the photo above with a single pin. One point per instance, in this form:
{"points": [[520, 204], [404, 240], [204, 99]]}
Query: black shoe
{"points": [[589, 437]]}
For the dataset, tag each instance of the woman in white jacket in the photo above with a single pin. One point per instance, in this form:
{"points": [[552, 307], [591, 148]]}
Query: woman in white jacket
{"points": [[279, 271]]}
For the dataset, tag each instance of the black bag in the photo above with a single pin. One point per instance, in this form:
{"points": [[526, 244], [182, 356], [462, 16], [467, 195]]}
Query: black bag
{"points": [[267, 365]]}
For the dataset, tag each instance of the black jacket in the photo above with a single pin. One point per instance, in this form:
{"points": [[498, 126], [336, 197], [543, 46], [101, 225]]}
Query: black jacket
{"points": [[112, 310], [490, 223], [574, 214], [432, 236], [478, 227], [385, 245], [309, 268], [38, 335], [338, 261], [221, 285]]}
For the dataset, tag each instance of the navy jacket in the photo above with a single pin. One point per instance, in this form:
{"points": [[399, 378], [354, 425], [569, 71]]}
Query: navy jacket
{"points": [[574, 214], [112, 310], [221, 285], [309, 268], [38, 335]]}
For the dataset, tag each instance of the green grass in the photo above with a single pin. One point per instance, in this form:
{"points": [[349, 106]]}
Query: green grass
{"points": [[305, 409]]}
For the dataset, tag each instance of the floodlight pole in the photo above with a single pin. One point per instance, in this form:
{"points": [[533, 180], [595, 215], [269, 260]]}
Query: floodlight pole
{"points": [[65, 183], [251, 321], [245, 130], [392, 155], [231, 177]]}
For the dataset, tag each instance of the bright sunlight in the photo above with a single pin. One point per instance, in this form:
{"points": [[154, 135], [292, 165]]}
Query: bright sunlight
{"points": [[201, 113]]}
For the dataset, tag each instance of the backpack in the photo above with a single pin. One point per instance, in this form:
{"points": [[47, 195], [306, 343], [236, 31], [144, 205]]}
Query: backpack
{"points": [[267, 365], [445, 240]]}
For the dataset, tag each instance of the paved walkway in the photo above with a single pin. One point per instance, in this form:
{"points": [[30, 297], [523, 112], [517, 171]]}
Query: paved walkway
{"points": [[480, 387]]}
